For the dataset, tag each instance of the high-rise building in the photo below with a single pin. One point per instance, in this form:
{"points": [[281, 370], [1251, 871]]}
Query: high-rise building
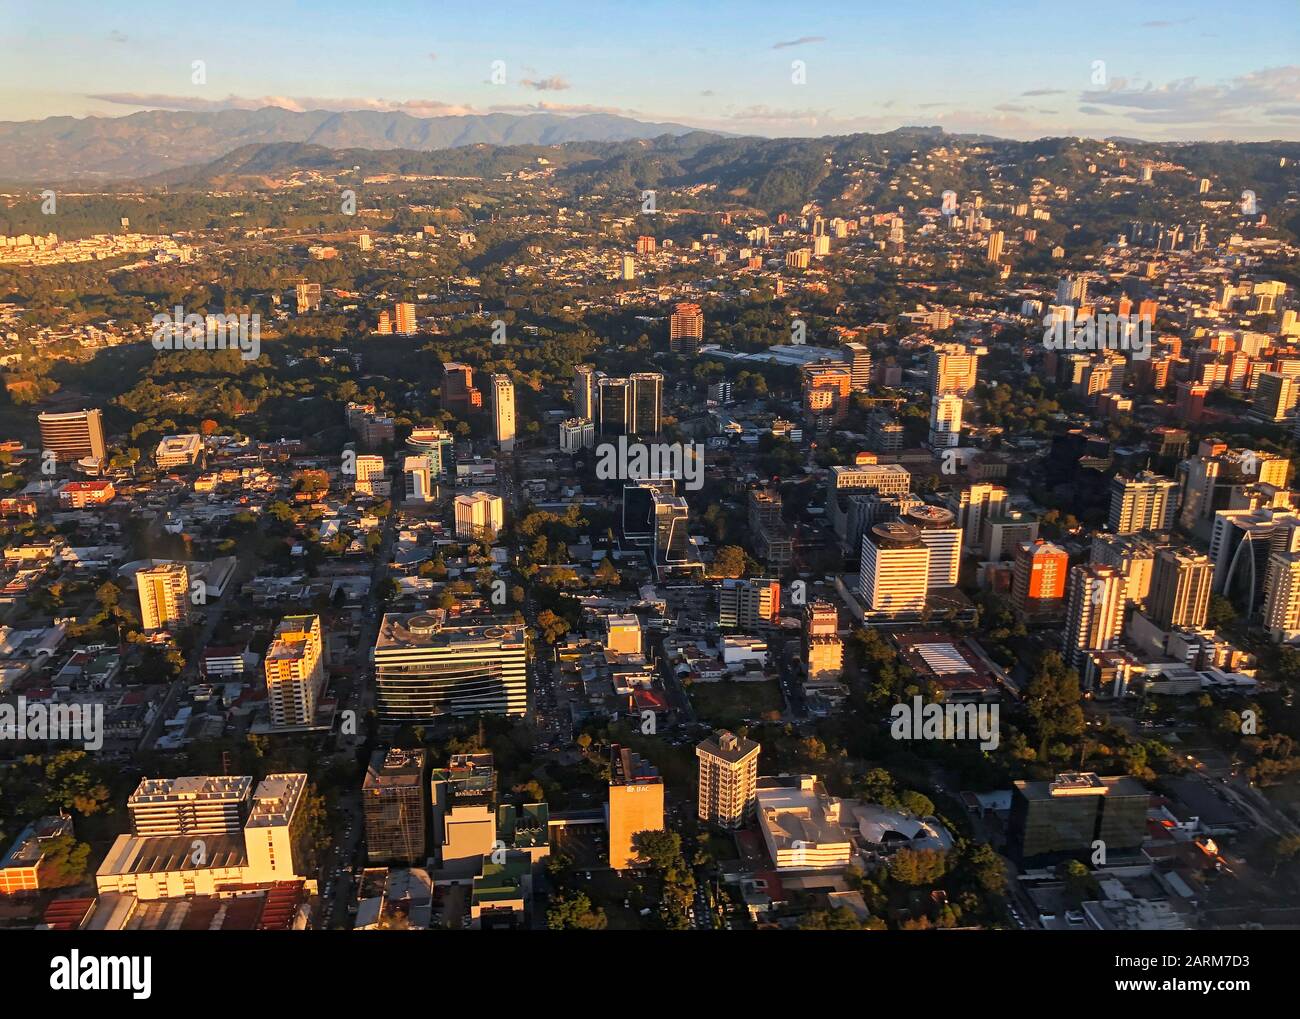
{"points": [[459, 394], [164, 595], [405, 316], [72, 436], [1038, 575], [767, 529], [945, 421], [953, 369], [973, 505], [994, 250], [1069, 816], [463, 804], [191, 805], [503, 411], [1145, 502], [939, 532], [576, 434], [585, 378], [439, 447], [858, 357], [420, 478], [646, 403], [614, 406], [295, 671], [823, 649], [674, 552], [1212, 476], [479, 516], [1282, 596], [1180, 589], [1095, 617], [370, 477], [747, 604], [826, 388], [728, 780], [686, 329], [636, 804], [250, 841], [393, 803], [1275, 397], [427, 666], [895, 569]]}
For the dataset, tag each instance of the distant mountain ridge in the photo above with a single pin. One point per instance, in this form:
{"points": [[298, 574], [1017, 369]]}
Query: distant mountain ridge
{"points": [[148, 143]]}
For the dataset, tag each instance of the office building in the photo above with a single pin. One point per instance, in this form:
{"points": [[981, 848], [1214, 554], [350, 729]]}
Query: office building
{"points": [[974, 504], [439, 447], [646, 404], [728, 779], [178, 451], [953, 369], [193, 805], [1145, 502], [503, 411], [826, 388], [72, 436], [748, 604], [427, 666], [623, 634], [895, 569], [1071, 814], [1180, 589], [674, 552], [479, 516], [636, 804], [164, 596], [801, 824], [393, 804], [459, 394], [858, 357], [945, 422], [1282, 597], [585, 378], [1038, 576], [463, 800], [576, 434], [1212, 477], [420, 478], [1276, 395], [247, 841], [295, 671], [1095, 617], [823, 648], [939, 532], [1134, 557], [767, 529], [371, 477], [614, 407], [686, 329]]}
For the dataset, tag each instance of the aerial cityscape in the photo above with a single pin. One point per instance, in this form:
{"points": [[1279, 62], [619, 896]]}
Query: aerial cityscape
{"points": [[780, 501]]}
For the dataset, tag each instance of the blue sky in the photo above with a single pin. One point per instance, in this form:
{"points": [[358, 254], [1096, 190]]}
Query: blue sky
{"points": [[1017, 69]]}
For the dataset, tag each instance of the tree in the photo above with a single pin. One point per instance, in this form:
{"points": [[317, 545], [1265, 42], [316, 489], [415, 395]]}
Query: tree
{"points": [[837, 919], [575, 913], [729, 562], [1053, 700], [553, 627], [918, 866]]}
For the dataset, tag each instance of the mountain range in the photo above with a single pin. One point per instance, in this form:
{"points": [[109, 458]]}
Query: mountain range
{"points": [[148, 143]]}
